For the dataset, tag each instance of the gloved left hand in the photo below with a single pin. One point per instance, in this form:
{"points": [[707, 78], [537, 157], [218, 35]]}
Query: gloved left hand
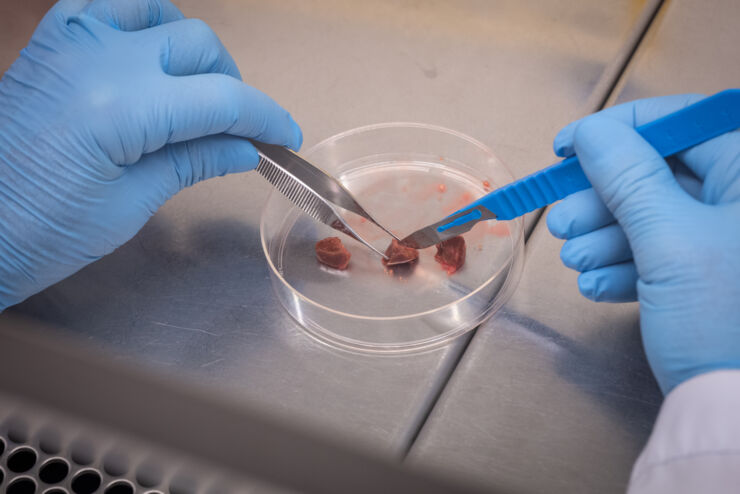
{"points": [[113, 107]]}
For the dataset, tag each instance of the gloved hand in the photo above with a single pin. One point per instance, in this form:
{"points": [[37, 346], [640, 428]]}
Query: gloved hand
{"points": [[669, 238], [113, 107]]}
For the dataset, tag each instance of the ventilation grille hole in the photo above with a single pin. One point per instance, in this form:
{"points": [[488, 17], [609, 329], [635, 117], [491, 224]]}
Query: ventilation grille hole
{"points": [[21, 485], [54, 471], [22, 460], [86, 482], [120, 487]]}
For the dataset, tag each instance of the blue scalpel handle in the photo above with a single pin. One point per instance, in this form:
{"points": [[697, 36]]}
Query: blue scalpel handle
{"points": [[704, 120]]}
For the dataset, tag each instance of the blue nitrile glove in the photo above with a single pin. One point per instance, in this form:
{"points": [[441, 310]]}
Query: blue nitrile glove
{"points": [[675, 245], [114, 106]]}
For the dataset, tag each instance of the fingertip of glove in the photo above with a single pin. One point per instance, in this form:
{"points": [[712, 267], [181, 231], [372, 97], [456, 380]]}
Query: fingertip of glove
{"points": [[570, 256], [588, 126], [588, 285], [297, 140], [250, 156], [562, 149], [562, 145], [597, 133], [231, 154], [557, 223]]}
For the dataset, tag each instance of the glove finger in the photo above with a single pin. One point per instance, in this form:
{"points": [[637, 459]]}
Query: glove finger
{"points": [[64, 9], [165, 172], [133, 15], [59, 15], [191, 47], [206, 104], [577, 214], [634, 182], [715, 153], [633, 113], [615, 283], [603, 247]]}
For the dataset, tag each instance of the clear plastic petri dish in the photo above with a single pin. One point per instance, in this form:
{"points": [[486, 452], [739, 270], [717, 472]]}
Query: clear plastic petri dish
{"points": [[406, 175]]}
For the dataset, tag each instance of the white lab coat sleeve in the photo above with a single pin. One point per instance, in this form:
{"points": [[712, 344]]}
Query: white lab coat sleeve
{"points": [[695, 443]]}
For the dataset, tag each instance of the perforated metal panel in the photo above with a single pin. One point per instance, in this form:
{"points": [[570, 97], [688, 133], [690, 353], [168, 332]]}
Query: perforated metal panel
{"points": [[44, 453]]}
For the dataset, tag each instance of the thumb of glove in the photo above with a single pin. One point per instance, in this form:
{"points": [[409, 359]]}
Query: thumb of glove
{"points": [[630, 176]]}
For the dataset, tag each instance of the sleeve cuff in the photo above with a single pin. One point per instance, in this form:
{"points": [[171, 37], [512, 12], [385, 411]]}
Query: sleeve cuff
{"points": [[695, 442]]}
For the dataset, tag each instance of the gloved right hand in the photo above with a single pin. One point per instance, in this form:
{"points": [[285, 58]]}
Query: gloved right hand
{"points": [[113, 107], [638, 234]]}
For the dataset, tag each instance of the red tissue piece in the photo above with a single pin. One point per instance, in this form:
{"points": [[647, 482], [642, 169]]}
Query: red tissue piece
{"points": [[332, 253], [451, 254], [397, 253]]}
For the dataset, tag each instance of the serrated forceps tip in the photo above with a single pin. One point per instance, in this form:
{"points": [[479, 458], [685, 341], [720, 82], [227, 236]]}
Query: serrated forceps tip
{"points": [[312, 190]]}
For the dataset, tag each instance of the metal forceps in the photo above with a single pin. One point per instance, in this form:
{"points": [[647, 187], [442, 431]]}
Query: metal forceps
{"points": [[314, 191]]}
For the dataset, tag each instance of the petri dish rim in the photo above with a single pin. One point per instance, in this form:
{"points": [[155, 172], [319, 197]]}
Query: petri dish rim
{"points": [[344, 342]]}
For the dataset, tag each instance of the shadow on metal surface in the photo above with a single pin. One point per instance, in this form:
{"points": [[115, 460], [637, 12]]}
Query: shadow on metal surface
{"points": [[610, 366]]}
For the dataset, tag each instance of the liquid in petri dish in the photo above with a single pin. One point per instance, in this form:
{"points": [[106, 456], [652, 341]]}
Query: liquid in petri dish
{"points": [[403, 196]]}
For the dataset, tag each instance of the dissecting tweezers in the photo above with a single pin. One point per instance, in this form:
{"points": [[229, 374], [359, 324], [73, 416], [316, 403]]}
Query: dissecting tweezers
{"points": [[314, 191]]}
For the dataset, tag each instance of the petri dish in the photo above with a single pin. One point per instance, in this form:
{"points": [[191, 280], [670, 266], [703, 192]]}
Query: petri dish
{"points": [[406, 175]]}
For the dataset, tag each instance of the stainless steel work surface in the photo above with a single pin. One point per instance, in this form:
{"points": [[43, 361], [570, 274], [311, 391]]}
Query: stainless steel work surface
{"points": [[190, 293], [554, 394], [693, 48]]}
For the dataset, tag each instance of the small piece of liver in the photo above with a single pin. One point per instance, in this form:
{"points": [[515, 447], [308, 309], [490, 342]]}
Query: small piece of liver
{"points": [[451, 254], [332, 253], [398, 253]]}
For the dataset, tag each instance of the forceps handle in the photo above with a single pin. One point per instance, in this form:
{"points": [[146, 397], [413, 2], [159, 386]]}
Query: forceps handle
{"points": [[699, 122]]}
